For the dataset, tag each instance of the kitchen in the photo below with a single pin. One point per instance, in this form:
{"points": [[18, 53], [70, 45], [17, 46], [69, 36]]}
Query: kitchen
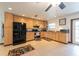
{"points": [[31, 24], [38, 26]]}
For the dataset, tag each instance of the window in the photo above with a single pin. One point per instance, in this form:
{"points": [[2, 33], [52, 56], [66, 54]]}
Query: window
{"points": [[51, 26]]}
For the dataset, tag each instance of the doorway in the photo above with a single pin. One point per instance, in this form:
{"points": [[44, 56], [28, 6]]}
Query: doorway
{"points": [[75, 31]]}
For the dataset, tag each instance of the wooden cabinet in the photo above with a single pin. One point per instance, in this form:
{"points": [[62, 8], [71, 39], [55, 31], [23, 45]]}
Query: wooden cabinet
{"points": [[43, 34], [45, 24], [62, 37], [29, 36], [8, 26], [40, 23], [36, 23], [8, 29], [51, 35], [29, 23], [57, 36]]}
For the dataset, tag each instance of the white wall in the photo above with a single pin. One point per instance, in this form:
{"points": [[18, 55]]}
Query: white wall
{"points": [[68, 22], [1, 22]]}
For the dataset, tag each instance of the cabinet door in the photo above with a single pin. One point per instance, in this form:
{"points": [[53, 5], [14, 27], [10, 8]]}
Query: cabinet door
{"points": [[8, 20], [29, 36], [53, 35], [42, 24], [49, 35], [8, 29], [30, 23], [62, 37], [35, 23], [43, 34], [57, 36], [8, 36]]}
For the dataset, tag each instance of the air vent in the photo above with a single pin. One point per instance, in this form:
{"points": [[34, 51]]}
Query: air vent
{"points": [[62, 6], [48, 7]]}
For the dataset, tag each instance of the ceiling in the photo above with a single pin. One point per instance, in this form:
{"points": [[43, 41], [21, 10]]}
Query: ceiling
{"points": [[30, 9]]}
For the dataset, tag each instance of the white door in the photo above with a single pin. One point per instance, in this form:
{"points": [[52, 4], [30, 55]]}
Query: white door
{"points": [[75, 33]]}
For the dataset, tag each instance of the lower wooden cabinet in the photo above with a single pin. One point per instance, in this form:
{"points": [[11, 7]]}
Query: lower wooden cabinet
{"points": [[63, 37], [8, 37], [29, 36], [43, 34], [51, 35], [57, 36]]}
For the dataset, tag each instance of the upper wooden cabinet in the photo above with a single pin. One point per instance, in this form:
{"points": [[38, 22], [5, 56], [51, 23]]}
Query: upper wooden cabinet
{"points": [[36, 23], [8, 19], [8, 29], [30, 22], [40, 23], [43, 24]]}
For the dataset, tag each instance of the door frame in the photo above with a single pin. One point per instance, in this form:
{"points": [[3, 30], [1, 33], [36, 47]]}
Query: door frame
{"points": [[72, 28]]}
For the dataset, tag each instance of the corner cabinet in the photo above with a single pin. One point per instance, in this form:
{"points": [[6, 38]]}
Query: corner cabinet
{"points": [[8, 29], [56, 36]]}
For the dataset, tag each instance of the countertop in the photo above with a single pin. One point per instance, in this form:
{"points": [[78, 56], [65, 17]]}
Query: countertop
{"points": [[50, 31]]}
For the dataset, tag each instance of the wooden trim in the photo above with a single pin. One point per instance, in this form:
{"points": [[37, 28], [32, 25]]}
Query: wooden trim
{"points": [[8, 45], [25, 17], [53, 40], [29, 18], [59, 42], [30, 40], [1, 43]]}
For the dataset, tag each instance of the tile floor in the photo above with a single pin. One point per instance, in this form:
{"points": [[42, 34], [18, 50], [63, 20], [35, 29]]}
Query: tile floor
{"points": [[45, 48]]}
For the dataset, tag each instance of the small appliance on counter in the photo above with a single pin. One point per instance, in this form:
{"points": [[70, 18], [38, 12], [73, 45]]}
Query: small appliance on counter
{"points": [[64, 30]]}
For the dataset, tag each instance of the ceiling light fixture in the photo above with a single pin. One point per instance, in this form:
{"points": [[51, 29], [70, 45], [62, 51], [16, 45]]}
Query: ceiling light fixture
{"points": [[9, 8], [23, 15], [54, 16]]}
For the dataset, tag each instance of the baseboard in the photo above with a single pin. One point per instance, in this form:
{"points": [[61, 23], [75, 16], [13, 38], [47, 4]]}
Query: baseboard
{"points": [[8, 45], [54, 40], [30, 40], [1, 43], [60, 42]]}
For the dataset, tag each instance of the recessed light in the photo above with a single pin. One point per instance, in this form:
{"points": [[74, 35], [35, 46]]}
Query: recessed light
{"points": [[39, 18], [23, 15], [10, 8], [54, 16]]}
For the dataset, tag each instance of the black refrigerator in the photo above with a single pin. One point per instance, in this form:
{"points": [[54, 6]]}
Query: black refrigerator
{"points": [[19, 33]]}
